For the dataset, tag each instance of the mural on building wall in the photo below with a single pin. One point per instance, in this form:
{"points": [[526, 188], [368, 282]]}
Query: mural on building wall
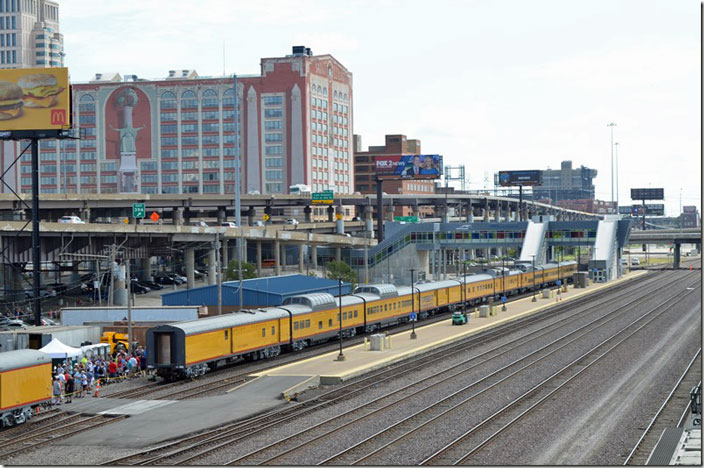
{"points": [[128, 134]]}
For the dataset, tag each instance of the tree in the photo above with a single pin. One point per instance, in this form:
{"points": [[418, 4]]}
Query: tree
{"points": [[232, 272], [341, 270]]}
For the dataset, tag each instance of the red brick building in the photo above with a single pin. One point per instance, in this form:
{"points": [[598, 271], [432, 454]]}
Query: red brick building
{"points": [[364, 170], [177, 134]]}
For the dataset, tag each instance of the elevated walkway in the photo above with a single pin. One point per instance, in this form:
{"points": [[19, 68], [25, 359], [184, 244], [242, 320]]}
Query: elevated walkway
{"points": [[604, 264]]}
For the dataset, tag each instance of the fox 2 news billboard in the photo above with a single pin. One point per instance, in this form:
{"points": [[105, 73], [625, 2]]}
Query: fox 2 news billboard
{"points": [[35, 99], [410, 166]]}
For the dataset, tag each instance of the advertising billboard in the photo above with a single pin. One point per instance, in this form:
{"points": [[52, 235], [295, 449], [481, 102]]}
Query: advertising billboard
{"points": [[689, 209], [514, 178], [409, 166], [35, 99], [647, 194]]}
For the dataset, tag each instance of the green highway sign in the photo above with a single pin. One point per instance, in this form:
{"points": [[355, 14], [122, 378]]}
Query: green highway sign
{"points": [[325, 197], [138, 210], [406, 219]]}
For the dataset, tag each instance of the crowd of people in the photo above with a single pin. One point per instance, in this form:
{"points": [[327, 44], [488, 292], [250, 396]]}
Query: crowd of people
{"points": [[78, 378]]}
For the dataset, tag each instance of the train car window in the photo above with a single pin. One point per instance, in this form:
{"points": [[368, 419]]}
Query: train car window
{"points": [[226, 333], [386, 307], [295, 325], [355, 314], [320, 324], [344, 316], [273, 331], [329, 322], [263, 332]]}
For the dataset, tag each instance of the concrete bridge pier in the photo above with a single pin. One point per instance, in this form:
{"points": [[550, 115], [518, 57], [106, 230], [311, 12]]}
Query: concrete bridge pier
{"points": [[225, 256], [485, 211], [145, 269], [14, 284], [497, 212], [676, 256], [389, 213], [470, 213], [189, 264], [314, 256], [307, 211], [277, 257], [338, 254], [301, 258], [251, 214], [331, 213], [415, 211], [120, 290], [221, 215], [178, 216]]}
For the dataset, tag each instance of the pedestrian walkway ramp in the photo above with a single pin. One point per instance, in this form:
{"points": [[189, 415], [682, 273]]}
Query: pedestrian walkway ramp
{"points": [[533, 243], [604, 263]]}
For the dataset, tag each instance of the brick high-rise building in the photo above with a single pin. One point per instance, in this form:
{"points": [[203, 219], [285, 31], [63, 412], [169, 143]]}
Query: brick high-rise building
{"points": [[364, 169], [176, 135]]}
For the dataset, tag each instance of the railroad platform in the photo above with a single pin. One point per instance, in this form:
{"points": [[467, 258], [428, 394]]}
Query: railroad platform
{"points": [[327, 370], [155, 421]]}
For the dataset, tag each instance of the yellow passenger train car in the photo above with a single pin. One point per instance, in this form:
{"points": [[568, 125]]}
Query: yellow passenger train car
{"points": [[191, 348], [25, 383]]}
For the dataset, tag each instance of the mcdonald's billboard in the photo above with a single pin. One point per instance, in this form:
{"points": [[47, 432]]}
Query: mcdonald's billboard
{"points": [[35, 99]]}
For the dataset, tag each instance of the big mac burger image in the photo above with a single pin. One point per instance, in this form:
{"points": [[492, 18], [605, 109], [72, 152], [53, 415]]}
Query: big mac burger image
{"points": [[40, 90], [10, 100]]}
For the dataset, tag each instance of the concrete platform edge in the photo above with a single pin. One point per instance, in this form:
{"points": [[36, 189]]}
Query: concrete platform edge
{"points": [[339, 378]]}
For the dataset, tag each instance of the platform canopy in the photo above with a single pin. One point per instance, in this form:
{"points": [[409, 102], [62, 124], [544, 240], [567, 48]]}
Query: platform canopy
{"points": [[57, 350]]}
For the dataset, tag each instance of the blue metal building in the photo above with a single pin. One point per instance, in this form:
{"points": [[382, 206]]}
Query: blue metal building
{"points": [[257, 292]]}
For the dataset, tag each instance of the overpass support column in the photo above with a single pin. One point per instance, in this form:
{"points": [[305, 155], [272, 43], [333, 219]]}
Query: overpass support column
{"points": [[225, 253], [497, 213], [314, 256], [189, 261], [369, 221], [251, 212], [307, 211], [389, 212], [119, 287], [331, 212], [277, 258], [338, 254], [259, 259], [470, 213], [212, 267], [145, 269], [85, 215], [178, 217], [221, 216], [415, 210], [485, 213], [676, 257], [509, 213], [301, 258]]}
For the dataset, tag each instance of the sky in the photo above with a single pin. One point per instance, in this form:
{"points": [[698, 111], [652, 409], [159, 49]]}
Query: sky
{"points": [[491, 84]]}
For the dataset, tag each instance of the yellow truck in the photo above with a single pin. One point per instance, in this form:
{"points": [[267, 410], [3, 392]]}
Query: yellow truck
{"points": [[117, 341]]}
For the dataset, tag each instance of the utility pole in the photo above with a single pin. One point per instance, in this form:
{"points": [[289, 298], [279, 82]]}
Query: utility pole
{"points": [[111, 292], [413, 319], [340, 357], [129, 305], [97, 282], [218, 271], [533, 300], [612, 125]]}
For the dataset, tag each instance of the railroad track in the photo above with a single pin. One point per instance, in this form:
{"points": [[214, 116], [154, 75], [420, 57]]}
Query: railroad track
{"points": [[189, 449], [213, 382], [46, 435], [670, 413], [489, 429]]}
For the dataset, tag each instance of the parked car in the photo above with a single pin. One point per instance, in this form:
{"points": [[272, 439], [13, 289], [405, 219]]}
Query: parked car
{"points": [[166, 280], [624, 262], [258, 223], [200, 224], [292, 221], [198, 274], [14, 324], [229, 224], [356, 218], [152, 285], [139, 288], [71, 220], [635, 261], [178, 277]]}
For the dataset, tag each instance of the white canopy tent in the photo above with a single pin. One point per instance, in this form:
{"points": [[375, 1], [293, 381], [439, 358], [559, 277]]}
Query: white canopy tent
{"points": [[57, 350]]}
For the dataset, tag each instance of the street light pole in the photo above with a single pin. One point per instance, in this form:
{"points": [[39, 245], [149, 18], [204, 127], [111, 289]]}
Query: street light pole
{"points": [[616, 151], [340, 357], [533, 300], [612, 125], [464, 287], [559, 285], [503, 284], [413, 322]]}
